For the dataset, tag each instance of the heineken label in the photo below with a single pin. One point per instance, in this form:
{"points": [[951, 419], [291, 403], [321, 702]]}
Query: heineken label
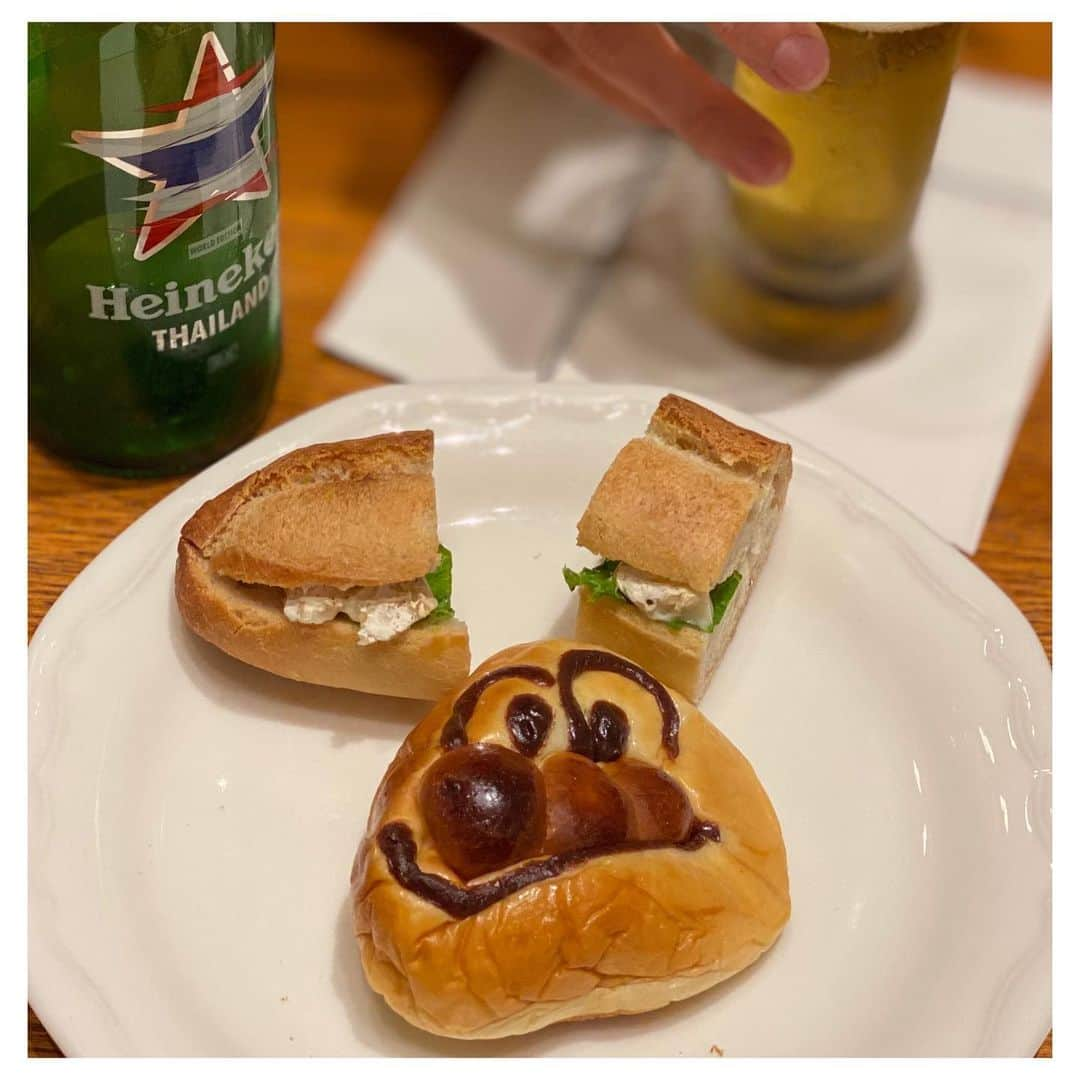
{"points": [[209, 153], [212, 298]]}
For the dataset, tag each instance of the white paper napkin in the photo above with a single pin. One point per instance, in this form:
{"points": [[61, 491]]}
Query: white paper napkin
{"points": [[504, 258], [932, 420], [498, 230]]}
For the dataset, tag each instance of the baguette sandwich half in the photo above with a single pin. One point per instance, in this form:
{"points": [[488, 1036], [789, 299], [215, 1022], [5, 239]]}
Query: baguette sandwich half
{"points": [[683, 521], [325, 567]]}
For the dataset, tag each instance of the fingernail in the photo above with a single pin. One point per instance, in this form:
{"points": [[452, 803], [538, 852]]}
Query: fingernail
{"points": [[801, 61], [761, 162]]}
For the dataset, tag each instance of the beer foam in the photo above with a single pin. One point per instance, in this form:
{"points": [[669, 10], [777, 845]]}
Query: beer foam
{"points": [[884, 27]]}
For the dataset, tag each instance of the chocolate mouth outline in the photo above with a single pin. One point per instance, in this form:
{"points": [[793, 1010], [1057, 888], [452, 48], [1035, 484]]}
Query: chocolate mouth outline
{"points": [[585, 737], [398, 846]]}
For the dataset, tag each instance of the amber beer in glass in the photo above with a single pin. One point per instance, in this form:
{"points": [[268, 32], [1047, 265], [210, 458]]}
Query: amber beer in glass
{"points": [[819, 266]]}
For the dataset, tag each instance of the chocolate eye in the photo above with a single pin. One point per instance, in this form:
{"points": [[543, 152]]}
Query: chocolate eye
{"points": [[484, 807], [528, 719], [610, 730]]}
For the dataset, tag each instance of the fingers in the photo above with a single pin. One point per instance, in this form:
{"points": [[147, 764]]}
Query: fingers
{"points": [[638, 69], [643, 62], [539, 42], [790, 56]]}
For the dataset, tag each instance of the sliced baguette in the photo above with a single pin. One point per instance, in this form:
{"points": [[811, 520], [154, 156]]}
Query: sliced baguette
{"points": [[694, 500], [358, 512]]}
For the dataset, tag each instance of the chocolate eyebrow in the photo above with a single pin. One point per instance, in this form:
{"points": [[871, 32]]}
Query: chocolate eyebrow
{"points": [[453, 733], [398, 846]]}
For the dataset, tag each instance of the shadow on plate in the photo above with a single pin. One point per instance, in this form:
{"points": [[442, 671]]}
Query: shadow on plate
{"points": [[566, 624], [240, 688]]}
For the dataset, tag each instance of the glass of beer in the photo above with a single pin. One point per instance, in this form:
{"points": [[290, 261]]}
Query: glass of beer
{"points": [[819, 266]]}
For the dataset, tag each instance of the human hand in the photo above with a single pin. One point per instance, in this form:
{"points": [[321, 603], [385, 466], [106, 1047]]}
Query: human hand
{"points": [[640, 70]]}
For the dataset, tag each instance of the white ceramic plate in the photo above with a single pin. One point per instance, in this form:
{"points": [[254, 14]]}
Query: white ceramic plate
{"points": [[193, 820]]}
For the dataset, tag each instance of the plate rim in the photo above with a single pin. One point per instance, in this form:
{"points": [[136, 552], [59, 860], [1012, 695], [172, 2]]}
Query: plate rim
{"points": [[46, 995]]}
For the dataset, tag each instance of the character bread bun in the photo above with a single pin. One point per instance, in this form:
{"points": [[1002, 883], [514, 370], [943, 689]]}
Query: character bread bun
{"points": [[563, 837]]}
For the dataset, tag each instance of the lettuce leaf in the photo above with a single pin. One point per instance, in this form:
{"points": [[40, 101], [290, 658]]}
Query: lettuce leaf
{"points": [[600, 581], [720, 596], [440, 582]]}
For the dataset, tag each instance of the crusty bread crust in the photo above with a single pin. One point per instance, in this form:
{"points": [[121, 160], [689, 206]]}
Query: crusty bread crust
{"points": [[678, 502], [619, 933], [357, 512], [668, 513], [248, 623], [689, 426]]}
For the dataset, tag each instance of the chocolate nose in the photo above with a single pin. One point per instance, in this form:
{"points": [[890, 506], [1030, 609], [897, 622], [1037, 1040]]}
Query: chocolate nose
{"points": [[485, 808], [488, 807]]}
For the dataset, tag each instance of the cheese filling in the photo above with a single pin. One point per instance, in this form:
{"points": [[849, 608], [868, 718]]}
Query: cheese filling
{"points": [[379, 611], [664, 600]]}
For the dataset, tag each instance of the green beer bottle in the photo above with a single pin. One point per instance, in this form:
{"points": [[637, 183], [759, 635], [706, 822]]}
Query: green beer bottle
{"points": [[155, 324]]}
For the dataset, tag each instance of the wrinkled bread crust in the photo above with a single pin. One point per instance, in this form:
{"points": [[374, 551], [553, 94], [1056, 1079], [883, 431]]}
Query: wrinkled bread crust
{"points": [[620, 933], [618, 999]]}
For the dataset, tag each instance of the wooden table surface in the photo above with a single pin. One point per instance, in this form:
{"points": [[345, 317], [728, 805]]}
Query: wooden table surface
{"points": [[356, 105]]}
